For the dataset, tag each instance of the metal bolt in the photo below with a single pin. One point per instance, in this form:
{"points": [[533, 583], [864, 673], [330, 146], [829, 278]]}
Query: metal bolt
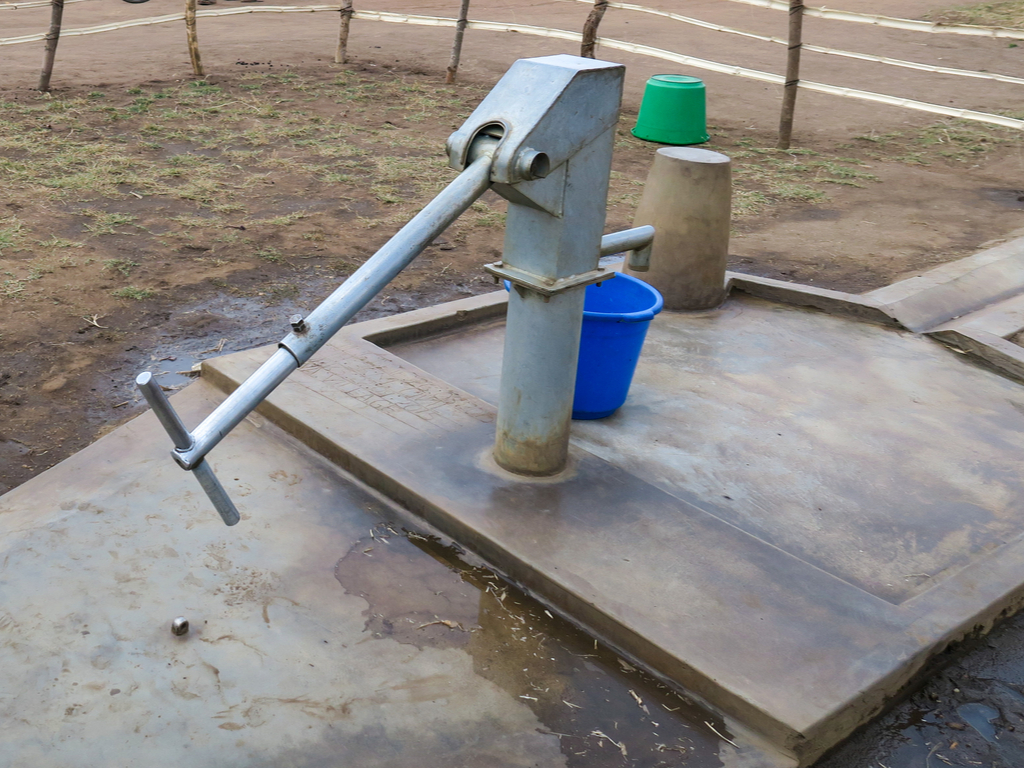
{"points": [[532, 164], [179, 626], [298, 323]]}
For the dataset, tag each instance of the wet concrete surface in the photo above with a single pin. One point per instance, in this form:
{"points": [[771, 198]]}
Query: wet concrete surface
{"points": [[605, 711], [968, 713], [323, 632], [656, 540], [786, 424], [922, 402]]}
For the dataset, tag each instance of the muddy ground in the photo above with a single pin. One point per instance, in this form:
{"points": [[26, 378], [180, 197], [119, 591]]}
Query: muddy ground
{"points": [[149, 220]]}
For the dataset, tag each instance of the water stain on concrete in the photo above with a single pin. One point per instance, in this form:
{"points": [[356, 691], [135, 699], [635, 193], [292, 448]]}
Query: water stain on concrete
{"points": [[605, 711]]}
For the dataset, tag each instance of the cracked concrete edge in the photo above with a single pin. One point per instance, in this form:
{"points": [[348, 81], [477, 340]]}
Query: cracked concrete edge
{"points": [[832, 302], [957, 288], [1005, 356]]}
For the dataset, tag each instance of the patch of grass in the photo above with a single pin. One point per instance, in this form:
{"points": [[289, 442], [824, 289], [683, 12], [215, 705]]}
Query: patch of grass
{"points": [[202, 190], [11, 234], [12, 287], [203, 87], [336, 177], [840, 171], [232, 237], [107, 223], [387, 195], [1009, 13], [765, 176], [746, 202], [953, 141], [133, 293], [124, 266], [958, 141], [480, 214], [800, 192], [284, 220], [38, 270], [140, 106], [278, 292], [270, 254], [343, 266], [190, 222]]}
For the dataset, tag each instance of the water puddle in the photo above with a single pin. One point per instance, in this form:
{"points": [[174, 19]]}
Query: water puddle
{"points": [[981, 718], [1008, 198], [604, 710]]}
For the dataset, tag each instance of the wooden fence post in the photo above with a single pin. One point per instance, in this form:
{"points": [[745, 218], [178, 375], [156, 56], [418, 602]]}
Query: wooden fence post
{"points": [[193, 39], [460, 31], [341, 54], [50, 49], [590, 28], [796, 22]]}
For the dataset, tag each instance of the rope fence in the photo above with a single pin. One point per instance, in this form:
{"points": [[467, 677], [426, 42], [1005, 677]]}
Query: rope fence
{"points": [[34, 4], [587, 38], [912, 25], [818, 48]]}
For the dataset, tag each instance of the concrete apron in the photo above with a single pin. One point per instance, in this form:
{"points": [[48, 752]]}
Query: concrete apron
{"points": [[323, 630], [280, 667], [793, 513]]}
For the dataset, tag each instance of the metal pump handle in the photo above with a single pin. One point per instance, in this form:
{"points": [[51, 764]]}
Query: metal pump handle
{"points": [[161, 406], [313, 331]]}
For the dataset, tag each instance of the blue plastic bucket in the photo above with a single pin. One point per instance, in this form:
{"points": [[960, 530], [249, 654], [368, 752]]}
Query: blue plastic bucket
{"points": [[616, 316]]}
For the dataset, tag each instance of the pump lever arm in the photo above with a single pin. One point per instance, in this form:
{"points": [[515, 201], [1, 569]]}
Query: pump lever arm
{"points": [[313, 331], [161, 406]]}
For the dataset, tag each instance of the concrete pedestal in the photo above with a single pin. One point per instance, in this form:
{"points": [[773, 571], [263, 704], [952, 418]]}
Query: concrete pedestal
{"points": [[688, 198]]}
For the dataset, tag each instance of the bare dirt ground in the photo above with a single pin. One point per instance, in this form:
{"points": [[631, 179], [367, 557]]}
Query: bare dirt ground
{"points": [[149, 220]]}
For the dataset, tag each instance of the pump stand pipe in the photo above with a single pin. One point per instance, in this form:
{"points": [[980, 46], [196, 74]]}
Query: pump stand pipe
{"points": [[561, 111], [315, 330]]}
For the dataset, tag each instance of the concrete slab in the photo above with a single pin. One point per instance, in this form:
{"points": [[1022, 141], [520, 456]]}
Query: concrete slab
{"points": [[958, 288], [1002, 319], [319, 634], [793, 513], [1002, 354], [752, 411]]}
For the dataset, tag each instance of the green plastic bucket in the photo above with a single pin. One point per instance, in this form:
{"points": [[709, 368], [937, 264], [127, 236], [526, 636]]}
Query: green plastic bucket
{"points": [[673, 111]]}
